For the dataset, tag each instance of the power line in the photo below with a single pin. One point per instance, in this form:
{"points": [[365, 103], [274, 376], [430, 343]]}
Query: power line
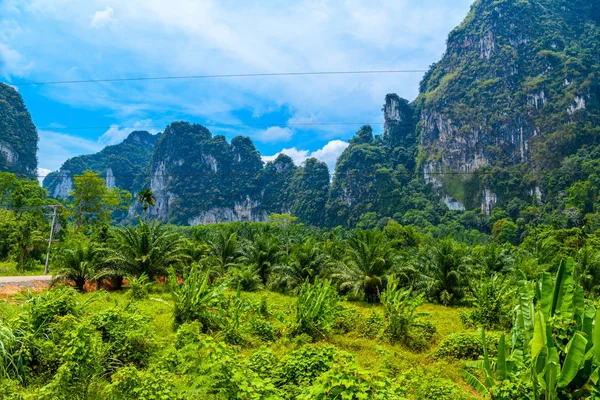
{"points": [[347, 173], [248, 75], [285, 124]]}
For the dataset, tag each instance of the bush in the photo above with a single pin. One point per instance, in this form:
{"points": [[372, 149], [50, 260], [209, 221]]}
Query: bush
{"points": [[262, 328], [140, 287], [346, 320], [134, 384], [348, 381], [401, 318], [372, 326], [317, 308], [128, 334], [196, 299], [263, 362], [492, 304], [466, 346], [42, 309], [188, 333], [301, 367]]}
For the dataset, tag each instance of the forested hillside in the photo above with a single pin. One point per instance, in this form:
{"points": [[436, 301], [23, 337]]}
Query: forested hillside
{"points": [[18, 136]]}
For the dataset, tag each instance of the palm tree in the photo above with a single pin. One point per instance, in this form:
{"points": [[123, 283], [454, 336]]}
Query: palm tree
{"points": [[445, 271], [224, 249], [587, 269], [147, 199], [246, 277], [307, 261], [77, 262], [146, 249], [264, 253], [366, 266]]}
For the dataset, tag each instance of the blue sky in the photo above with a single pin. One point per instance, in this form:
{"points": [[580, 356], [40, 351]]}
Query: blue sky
{"points": [[43, 40]]}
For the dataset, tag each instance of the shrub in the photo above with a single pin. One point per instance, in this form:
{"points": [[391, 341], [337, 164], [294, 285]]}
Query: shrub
{"points": [[128, 334], [317, 308], [301, 367], [214, 368], [401, 317], [372, 326], [263, 362], [188, 333], [348, 381], [196, 300], [491, 300], [42, 309], [262, 328], [466, 346], [131, 383], [346, 320], [140, 287]]}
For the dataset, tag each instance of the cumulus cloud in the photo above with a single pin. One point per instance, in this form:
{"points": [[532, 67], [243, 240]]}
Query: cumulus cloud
{"points": [[12, 62], [328, 154], [116, 134], [275, 134], [103, 18]]}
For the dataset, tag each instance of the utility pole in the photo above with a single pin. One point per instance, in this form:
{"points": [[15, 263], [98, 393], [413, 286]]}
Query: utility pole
{"points": [[54, 207]]}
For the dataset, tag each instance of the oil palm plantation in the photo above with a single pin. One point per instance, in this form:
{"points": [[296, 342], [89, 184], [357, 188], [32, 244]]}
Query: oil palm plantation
{"points": [[264, 254], [150, 248], [224, 249], [364, 272], [307, 261]]}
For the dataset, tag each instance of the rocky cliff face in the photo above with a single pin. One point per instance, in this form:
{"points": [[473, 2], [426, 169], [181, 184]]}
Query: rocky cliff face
{"points": [[517, 80], [123, 165], [18, 135], [198, 178]]}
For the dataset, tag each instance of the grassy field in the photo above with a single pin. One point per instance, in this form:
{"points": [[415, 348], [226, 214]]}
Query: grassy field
{"points": [[10, 269], [412, 369]]}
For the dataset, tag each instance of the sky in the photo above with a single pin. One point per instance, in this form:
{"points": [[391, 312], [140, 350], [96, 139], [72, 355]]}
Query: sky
{"points": [[57, 40]]}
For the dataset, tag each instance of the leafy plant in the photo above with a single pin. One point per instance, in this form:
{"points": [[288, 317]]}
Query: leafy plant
{"points": [[196, 299], [400, 313], [132, 383], [491, 299], [77, 261], [140, 286], [317, 307]]}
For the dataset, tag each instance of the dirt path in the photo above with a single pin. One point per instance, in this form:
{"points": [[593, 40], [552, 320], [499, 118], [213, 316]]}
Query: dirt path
{"points": [[10, 285]]}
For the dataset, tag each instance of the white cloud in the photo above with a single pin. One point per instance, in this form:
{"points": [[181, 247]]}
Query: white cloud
{"points": [[328, 154], [275, 134], [41, 174], [102, 18], [12, 62], [115, 134], [55, 148], [298, 156]]}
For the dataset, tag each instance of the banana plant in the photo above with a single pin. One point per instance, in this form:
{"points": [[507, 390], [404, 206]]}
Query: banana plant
{"points": [[536, 353]]}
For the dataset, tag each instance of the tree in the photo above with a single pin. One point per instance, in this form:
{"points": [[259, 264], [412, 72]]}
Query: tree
{"points": [[77, 261], [92, 202], [147, 199], [306, 263], [26, 238], [149, 248], [264, 253], [444, 271], [369, 258], [505, 231]]}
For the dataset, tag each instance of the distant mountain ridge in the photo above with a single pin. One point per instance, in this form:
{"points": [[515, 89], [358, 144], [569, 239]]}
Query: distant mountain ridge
{"points": [[507, 122]]}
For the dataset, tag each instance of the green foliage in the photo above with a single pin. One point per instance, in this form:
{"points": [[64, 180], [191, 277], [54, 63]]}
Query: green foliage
{"points": [[492, 301], [139, 286], [348, 381], [401, 318], [92, 202], [196, 299], [466, 346], [150, 248], [77, 260], [128, 335], [131, 383], [317, 308]]}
